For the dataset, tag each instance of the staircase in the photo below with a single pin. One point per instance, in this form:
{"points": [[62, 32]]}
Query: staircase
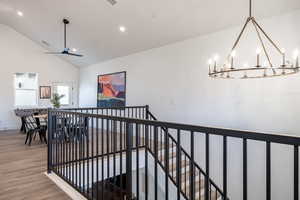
{"points": [[137, 129], [116, 134], [178, 161]]}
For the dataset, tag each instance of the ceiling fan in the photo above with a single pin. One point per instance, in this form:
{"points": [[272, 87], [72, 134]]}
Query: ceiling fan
{"points": [[66, 50]]}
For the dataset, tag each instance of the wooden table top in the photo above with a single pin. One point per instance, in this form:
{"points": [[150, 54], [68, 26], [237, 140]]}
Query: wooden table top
{"points": [[45, 116]]}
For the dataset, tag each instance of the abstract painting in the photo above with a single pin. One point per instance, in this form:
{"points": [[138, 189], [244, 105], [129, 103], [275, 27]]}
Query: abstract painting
{"points": [[112, 90]]}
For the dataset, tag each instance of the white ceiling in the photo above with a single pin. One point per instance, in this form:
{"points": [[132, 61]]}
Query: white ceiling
{"points": [[150, 23]]}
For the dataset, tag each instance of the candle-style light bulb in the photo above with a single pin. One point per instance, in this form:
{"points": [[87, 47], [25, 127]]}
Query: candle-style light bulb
{"points": [[232, 55], [216, 58], [296, 57], [283, 57], [209, 65], [258, 51], [283, 62]]}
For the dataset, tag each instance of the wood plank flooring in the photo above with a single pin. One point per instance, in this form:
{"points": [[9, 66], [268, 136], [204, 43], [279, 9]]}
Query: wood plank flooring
{"points": [[22, 170]]}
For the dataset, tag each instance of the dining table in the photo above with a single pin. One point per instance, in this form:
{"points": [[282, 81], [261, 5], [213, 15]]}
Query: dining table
{"points": [[41, 116]]}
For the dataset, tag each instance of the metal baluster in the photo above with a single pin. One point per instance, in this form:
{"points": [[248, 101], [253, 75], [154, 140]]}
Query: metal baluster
{"points": [[79, 151], [146, 160], [207, 166], [76, 149], [107, 147], [200, 196], [92, 152], [172, 158], [210, 191], [121, 153], [85, 155], [296, 172], [245, 170], [114, 132], [167, 164], [185, 175], [268, 171], [137, 135], [225, 167], [156, 161], [192, 168], [61, 146], [178, 168], [102, 160], [97, 153]]}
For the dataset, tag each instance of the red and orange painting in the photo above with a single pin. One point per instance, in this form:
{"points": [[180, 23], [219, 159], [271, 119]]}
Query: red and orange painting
{"points": [[112, 90]]}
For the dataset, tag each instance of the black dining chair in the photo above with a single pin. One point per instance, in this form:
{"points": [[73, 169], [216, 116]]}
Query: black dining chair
{"points": [[34, 127]]}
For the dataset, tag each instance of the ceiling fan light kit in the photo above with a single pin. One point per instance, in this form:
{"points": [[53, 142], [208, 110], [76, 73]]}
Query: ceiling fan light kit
{"points": [[230, 71], [66, 50]]}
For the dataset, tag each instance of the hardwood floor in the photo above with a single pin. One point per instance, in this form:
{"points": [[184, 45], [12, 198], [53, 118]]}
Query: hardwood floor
{"points": [[22, 170]]}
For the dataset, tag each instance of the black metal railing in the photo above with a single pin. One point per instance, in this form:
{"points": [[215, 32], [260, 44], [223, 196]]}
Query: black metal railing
{"points": [[137, 112], [191, 186], [88, 146]]}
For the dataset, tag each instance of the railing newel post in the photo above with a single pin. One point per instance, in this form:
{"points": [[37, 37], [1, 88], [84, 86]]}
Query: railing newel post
{"points": [[49, 151], [129, 146], [147, 111]]}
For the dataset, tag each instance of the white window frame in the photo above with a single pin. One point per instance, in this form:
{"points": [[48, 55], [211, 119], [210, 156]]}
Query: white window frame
{"points": [[68, 84], [36, 91]]}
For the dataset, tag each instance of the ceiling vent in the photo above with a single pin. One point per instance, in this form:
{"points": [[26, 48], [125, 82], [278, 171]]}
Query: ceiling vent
{"points": [[112, 2]]}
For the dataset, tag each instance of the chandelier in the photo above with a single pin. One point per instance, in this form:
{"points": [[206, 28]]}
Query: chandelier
{"points": [[230, 71]]}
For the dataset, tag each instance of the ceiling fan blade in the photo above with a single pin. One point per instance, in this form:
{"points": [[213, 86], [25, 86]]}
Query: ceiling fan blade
{"points": [[74, 54], [52, 52], [65, 50]]}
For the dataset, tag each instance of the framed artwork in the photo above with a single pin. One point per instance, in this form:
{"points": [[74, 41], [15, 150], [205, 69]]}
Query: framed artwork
{"points": [[112, 90], [45, 92]]}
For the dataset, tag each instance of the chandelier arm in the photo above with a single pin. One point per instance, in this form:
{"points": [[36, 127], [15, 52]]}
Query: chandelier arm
{"points": [[241, 33], [266, 35], [263, 45]]}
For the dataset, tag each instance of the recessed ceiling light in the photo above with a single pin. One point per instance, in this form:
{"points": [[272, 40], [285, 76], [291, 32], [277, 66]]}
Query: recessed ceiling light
{"points": [[122, 29], [74, 50], [20, 13]]}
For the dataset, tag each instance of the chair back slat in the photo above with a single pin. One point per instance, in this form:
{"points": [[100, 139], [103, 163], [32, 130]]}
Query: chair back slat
{"points": [[30, 123]]}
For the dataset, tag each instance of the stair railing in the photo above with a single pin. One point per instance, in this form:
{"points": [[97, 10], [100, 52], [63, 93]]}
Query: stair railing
{"points": [[211, 188], [87, 146]]}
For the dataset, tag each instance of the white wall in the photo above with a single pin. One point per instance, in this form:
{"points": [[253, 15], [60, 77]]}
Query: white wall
{"points": [[173, 80], [19, 54]]}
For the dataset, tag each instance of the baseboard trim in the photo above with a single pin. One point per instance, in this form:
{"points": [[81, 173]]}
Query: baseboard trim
{"points": [[71, 192]]}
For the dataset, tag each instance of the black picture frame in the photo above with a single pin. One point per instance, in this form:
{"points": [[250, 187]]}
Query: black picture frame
{"points": [[101, 103], [44, 95]]}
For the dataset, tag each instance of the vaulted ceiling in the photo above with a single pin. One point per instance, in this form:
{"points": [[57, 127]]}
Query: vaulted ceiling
{"points": [[94, 28]]}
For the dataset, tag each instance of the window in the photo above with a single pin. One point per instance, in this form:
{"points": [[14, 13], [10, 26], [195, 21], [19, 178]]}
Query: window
{"points": [[26, 85], [66, 89]]}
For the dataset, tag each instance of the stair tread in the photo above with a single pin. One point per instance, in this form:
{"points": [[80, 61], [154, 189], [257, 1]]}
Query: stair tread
{"points": [[199, 183], [197, 186]]}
